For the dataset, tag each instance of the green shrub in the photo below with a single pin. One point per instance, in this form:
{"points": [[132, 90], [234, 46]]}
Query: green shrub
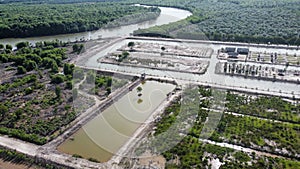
{"points": [[22, 45], [93, 160], [57, 79], [76, 156], [28, 90], [21, 70]]}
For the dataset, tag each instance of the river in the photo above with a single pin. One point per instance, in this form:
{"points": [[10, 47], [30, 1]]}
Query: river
{"points": [[166, 16]]}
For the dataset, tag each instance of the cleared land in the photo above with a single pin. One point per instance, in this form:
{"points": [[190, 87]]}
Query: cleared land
{"points": [[164, 49], [161, 57], [11, 165]]}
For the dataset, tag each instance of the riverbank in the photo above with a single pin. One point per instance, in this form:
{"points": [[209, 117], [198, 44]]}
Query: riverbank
{"points": [[92, 17], [167, 15], [227, 21]]}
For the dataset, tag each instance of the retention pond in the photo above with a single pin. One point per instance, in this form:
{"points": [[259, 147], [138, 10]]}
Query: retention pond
{"points": [[103, 136]]}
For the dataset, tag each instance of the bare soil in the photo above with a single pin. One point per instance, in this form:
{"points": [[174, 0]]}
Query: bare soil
{"points": [[10, 165]]}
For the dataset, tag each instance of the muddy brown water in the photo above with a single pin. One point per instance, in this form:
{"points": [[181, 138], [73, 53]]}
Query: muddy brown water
{"points": [[103, 136]]}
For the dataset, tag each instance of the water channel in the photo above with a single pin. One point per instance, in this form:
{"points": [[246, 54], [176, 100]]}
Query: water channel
{"points": [[209, 76]]}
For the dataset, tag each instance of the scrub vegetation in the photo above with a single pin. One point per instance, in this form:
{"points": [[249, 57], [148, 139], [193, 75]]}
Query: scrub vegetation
{"points": [[275, 137], [16, 158], [37, 90], [266, 107], [35, 98]]}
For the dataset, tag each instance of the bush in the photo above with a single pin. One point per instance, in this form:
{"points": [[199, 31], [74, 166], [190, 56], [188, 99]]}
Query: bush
{"points": [[28, 90], [241, 157], [21, 45], [30, 65], [76, 156], [3, 58], [58, 92], [19, 60], [57, 79], [8, 47], [139, 89], [3, 110], [54, 68], [34, 57], [108, 90], [93, 160], [77, 48], [68, 69], [131, 44], [33, 138], [21, 70], [69, 85]]}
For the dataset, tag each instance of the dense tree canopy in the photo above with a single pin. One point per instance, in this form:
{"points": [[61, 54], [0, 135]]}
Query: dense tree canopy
{"points": [[226, 20], [23, 20], [234, 20]]}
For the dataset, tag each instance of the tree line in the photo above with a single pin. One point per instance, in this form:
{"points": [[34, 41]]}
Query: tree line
{"points": [[25, 20], [235, 20]]}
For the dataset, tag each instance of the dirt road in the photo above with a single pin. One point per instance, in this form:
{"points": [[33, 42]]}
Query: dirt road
{"points": [[18, 145]]}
